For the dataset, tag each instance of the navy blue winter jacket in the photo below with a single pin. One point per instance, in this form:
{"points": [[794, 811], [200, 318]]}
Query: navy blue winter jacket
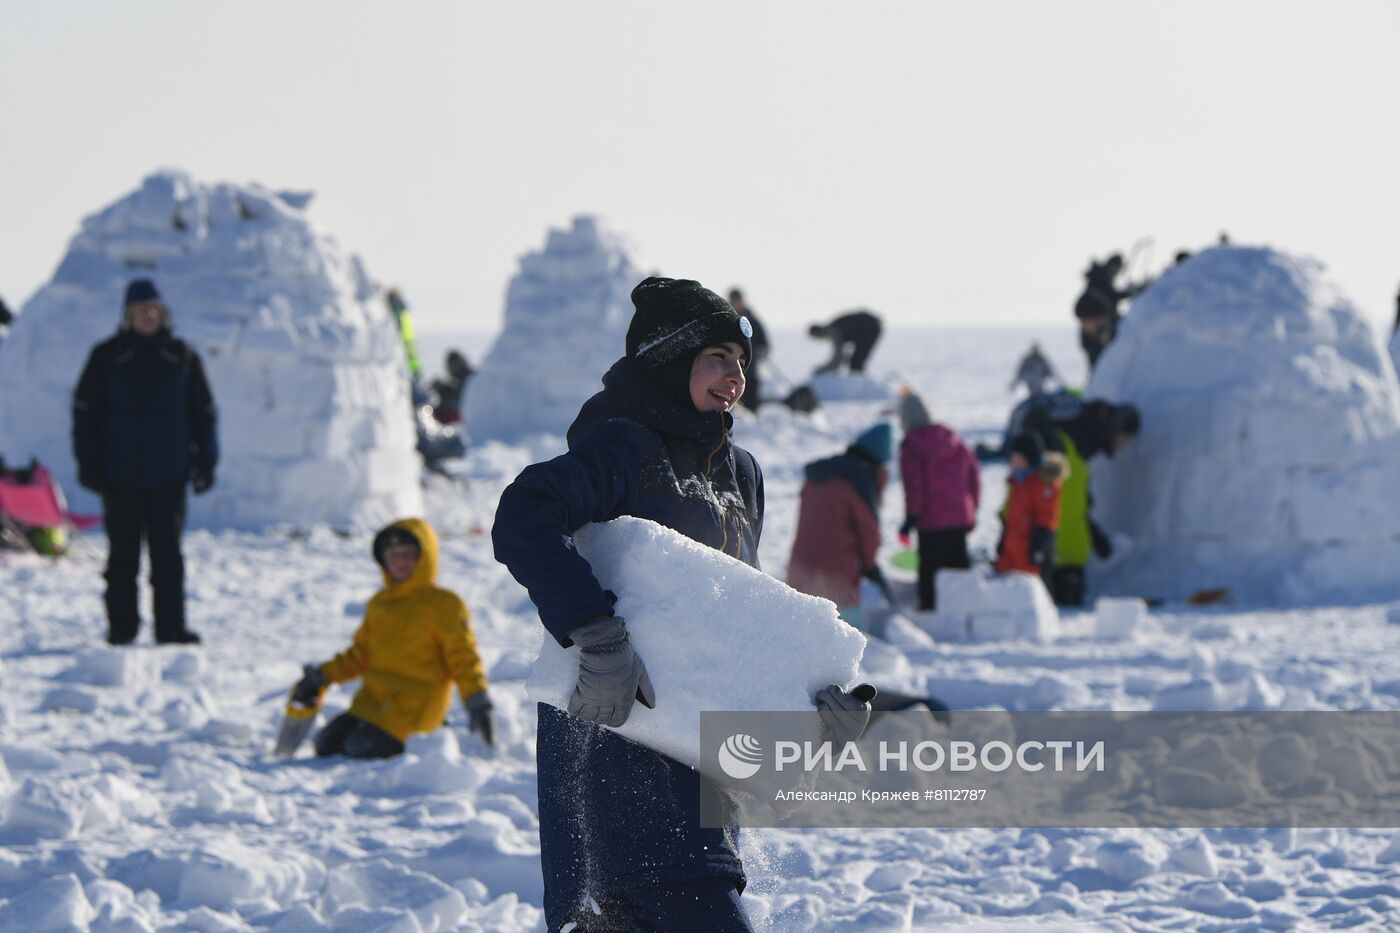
{"points": [[632, 451], [143, 414], [613, 814]]}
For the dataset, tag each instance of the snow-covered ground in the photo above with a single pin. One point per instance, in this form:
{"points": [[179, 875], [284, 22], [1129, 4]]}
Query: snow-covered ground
{"points": [[139, 792]]}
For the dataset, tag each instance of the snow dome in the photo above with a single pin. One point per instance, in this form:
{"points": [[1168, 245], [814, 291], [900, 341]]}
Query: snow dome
{"points": [[565, 324], [1270, 439], [306, 367]]}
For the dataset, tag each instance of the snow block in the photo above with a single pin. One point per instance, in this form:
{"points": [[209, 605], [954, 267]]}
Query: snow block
{"points": [[227, 873], [381, 883], [1200, 693], [849, 387], [1391, 853], [133, 667], [57, 905], [45, 809], [1195, 856], [432, 763], [715, 634], [1130, 860], [976, 606], [187, 666], [75, 699], [1119, 618]]}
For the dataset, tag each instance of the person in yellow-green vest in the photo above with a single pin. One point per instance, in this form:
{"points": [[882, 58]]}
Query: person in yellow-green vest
{"points": [[404, 318], [414, 644], [1100, 427]]}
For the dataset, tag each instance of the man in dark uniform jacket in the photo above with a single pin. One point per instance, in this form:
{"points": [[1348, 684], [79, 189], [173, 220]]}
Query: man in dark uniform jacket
{"points": [[143, 427]]}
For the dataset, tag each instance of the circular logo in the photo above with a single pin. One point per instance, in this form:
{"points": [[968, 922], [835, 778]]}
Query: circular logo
{"points": [[745, 327], [740, 756]]}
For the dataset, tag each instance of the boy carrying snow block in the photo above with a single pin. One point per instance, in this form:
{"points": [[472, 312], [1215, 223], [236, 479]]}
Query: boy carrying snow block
{"points": [[414, 644], [1032, 510], [621, 845]]}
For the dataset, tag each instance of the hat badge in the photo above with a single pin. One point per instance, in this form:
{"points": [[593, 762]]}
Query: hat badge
{"points": [[745, 327]]}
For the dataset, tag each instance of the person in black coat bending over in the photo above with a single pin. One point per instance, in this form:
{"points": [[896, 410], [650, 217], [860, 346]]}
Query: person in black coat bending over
{"points": [[853, 336], [143, 427], [621, 846]]}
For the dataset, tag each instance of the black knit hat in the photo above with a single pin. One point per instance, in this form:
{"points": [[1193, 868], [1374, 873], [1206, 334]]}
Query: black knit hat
{"points": [[393, 536], [141, 290], [1029, 446], [676, 319]]}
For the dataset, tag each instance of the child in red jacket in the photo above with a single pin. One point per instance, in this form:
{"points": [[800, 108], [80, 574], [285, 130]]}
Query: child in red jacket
{"points": [[1032, 511]]}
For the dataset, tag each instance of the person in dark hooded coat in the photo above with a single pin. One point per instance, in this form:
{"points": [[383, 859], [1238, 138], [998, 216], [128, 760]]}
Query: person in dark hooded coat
{"points": [[838, 523], [853, 336], [621, 846], [143, 427], [1100, 427], [1097, 306]]}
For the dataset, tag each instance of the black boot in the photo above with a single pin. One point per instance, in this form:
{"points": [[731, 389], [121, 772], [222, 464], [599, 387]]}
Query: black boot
{"points": [[1068, 587], [183, 638]]}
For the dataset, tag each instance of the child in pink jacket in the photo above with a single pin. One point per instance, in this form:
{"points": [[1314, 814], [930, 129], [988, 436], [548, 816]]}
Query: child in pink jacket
{"points": [[942, 485]]}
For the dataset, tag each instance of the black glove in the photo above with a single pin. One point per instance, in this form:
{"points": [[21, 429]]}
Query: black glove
{"points": [[203, 478], [1042, 546], [307, 692], [611, 676], [1102, 545], [910, 523], [844, 715], [876, 576], [90, 476], [479, 716]]}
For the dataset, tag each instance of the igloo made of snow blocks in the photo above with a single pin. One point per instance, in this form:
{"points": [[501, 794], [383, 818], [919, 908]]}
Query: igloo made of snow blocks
{"points": [[565, 324], [1270, 437], [304, 360]]}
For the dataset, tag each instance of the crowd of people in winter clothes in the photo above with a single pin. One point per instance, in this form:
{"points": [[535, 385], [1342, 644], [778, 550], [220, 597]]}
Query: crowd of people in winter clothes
{"points": [[1047, 527], [654, 443]]}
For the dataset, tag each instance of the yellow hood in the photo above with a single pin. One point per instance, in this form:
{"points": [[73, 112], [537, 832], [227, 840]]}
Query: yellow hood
{"points": [[425, 574]]}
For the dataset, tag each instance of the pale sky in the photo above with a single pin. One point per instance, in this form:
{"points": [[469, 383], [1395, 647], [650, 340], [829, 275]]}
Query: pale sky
{"points": [[940, 163]]}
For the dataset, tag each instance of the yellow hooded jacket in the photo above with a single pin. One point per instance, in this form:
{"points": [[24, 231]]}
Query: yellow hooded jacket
{"points": [[414, 643]]}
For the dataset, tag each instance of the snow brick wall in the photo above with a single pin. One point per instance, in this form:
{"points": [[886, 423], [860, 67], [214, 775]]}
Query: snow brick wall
{"points": [[305, 363], [1270, 437], [565, 323]]}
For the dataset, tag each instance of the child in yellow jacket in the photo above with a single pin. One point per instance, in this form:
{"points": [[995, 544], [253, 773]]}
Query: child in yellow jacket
{"points": [[413, 645]]}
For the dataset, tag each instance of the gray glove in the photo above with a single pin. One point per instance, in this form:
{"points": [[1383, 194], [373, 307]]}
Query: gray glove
{"points": [[479, 716], [611, 677], [844, 715]]}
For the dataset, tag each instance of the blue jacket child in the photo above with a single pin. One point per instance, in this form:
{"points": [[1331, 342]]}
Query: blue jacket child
{"points": [[620, 840]]}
